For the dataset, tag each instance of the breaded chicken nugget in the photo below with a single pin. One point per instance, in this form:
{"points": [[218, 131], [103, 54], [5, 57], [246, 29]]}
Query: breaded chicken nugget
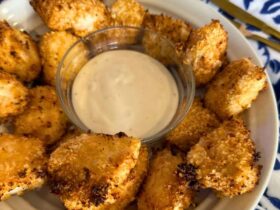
{"points": [[22, 164], [44, 117], [163, 188], [127, 13], [84, 170], [176, 30], [206, 50], [19, 53], [225, 160], [13, 95], [234, 89], [53, 46], [83, 16], [126, 192], [120, 195], [198, 122]]}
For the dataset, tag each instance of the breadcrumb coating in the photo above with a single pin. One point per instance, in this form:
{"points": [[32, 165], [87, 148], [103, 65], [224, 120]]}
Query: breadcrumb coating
{"points": [[86, 169], [43, 117], [126, 192], [22, 165], [82, 17], [163, 188], [121, 195], [206, 50], [127, 13], [225, 160], [198, 122], [235, 88], [176, 30], [53, 46], [13, 95], [19, 53]]}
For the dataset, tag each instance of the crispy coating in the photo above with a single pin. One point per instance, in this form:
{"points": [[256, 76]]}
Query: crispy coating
{"points": [[13, 95], [198, 122], [43, 118], [121, 195], [176, 30], [53, 46], [22, 164], [127, 13], [82, 17], [19, 53], [206, 50], [71, 132], [126, 192], [86, 169], [235, 88], [225, 160], [163, 188]]}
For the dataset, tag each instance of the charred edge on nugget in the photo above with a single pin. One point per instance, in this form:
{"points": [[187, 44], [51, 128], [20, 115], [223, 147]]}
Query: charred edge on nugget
{"points": [[87, 174], [121, 135], [57, 185], [256, 156], [40, 173], [22, 173], [99, 194], [187, 172]]}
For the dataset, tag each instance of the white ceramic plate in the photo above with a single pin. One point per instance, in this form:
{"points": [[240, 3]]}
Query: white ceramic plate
{"points": [[261, 118]]}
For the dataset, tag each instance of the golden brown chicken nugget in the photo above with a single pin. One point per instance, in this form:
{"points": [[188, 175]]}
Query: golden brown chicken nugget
{"points": [[13, 95], [43, 118], [163, 188], [206, 51], [121, 195], [126, 192], [198, 122], [235, 88], [19, 53], [84, 170], [82, 17], [225, 160], [127, 13], [23, 164], [53, 46], [176, 30]]}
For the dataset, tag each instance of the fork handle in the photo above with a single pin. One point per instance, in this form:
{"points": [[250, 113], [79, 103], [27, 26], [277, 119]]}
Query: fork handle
{"points": [[269, 43]]}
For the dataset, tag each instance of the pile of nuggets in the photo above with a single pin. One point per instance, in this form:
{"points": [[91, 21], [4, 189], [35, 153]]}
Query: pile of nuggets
{"points": [[210, 149]]}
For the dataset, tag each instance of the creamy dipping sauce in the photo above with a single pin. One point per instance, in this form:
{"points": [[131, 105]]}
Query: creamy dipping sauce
{"points": [[125, 91]]}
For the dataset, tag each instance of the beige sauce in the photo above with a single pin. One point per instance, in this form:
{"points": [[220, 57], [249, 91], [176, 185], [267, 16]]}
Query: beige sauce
{"points": [[125, 91]]}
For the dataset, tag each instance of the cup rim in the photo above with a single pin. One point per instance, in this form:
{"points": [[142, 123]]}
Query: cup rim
{"points": [[155, 137]]}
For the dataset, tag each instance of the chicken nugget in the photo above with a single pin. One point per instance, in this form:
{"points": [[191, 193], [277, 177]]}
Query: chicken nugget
{"points": [[235, 88], [19, 53], [86, 169], [23, 164], [53, 46], [176, 30], [198, 122], [127, 13], [43, 117], [82, 17], [121, 195], [225, 160], [206, 51], [163, 188], [126, 192], [13, 95]]}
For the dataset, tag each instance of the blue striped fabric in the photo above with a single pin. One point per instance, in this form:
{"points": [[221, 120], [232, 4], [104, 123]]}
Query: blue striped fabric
{"points": [[268, 11]]}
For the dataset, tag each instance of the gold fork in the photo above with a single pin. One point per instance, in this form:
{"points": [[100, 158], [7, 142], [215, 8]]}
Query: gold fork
{"points": [[252, 36]]}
